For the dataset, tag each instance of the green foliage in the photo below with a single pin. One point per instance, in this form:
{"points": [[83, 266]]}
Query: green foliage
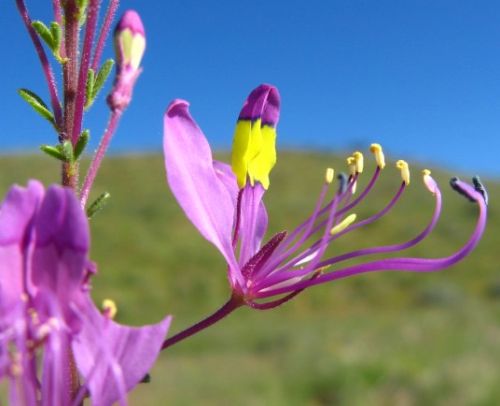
{"points": [[379, 339], [96, 82], [51, 36], [37, 104], [98, 204], [81, 144]]}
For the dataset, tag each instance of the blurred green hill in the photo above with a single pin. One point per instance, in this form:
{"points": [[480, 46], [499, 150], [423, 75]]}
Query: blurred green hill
{"points": [[377, 339]]}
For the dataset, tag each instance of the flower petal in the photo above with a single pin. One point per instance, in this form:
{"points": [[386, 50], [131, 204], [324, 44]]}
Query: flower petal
{"points": [[254, 150], [16, 215], [194, 181], [119, 359]]}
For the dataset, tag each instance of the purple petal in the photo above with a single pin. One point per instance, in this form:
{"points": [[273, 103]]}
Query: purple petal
{"points": [[194, 181], [16, 215], [59, 259], [264, 103], [253, 221], [121, 356]]}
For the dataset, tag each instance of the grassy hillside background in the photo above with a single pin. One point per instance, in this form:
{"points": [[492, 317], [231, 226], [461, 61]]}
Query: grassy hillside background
{"points": [[378, 339]]}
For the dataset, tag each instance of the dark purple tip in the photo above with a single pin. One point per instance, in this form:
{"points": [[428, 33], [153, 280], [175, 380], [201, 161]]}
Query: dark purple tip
{"points": [[464, 189], [264, 102]]}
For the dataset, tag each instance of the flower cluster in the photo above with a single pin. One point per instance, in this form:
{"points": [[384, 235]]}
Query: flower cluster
{"points": [[45, 305]]}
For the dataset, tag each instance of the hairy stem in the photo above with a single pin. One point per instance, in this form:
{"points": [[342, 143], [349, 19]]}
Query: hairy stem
{"points": [[47, 70], [99, 155], [232, 304], [70, 78], [103, 35], [90, 27]]}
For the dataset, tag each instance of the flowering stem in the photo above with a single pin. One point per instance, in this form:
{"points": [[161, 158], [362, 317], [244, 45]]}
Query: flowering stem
{"points": [[99, 155], [103, 34], [92, 14], [70, 83], [232, 304], [47, 70]]}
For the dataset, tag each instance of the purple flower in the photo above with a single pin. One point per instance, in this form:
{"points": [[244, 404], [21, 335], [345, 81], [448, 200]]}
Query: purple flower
{"points": [[48, 321], [225, 204]]}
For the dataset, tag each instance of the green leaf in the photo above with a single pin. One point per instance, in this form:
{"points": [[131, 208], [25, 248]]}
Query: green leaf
{"points": [[55, 30], [37, 104], [54, 152], [66, 149], [81, 144], [98, 204], [89, 90], [44, 33], [102, 75]]}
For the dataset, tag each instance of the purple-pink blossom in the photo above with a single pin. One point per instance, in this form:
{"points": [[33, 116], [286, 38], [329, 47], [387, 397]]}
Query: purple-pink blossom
{"points": [[56, 347]]}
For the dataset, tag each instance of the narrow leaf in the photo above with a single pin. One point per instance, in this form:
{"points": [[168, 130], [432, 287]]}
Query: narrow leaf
{"points": [[66, 149], [54, 152], [98, 204], [89, 91], [81, 144], [37, 104], [102, 75], [55, 30], [44, 33]]}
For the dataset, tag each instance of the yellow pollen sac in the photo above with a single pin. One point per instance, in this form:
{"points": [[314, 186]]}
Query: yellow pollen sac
{"points": [[132, 46], [351, 218], [429, 183], [358, 161], [351, 163], [377, 151], [405, 171], [109, 308], [330, 173], [254, 152]]}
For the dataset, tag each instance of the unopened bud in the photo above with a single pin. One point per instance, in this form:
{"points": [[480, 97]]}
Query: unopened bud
{"points": [[130, 43]]}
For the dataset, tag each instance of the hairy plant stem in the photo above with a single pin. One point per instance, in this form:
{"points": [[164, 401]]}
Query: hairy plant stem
{"points": [[103, 34], [47, 70], [99, 155], [90, 28], [232, 304], [70, 83]]}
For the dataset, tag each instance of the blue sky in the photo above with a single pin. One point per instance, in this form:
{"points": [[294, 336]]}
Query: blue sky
{"points": [[420, 77]]}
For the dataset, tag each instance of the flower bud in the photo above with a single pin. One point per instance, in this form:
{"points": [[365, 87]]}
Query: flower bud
{"points": [[130, 43]]}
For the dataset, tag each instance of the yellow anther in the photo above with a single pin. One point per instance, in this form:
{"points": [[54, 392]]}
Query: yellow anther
{"points": [[428, 181], [377, 151], [405, 171], [351, 163], [109, 308], [351, 218], [358, 161], [329, 174]]}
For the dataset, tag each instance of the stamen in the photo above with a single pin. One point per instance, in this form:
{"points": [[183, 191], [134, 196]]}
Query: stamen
{"points": [[109, 308], [351, 218], [456, 184], [351, 164], [429, 182], [329, 175], [405, 171], [376, 150], [342, 178], [480, 188], [359, 161]]}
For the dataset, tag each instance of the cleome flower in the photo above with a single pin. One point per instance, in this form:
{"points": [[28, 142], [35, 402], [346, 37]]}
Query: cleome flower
{"points": [[55, 346], [225, 204]]}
